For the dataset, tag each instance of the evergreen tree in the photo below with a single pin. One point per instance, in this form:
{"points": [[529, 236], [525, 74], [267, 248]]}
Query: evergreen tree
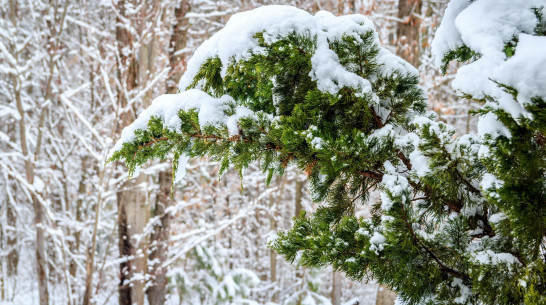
{"points": [[214, 283], [462, 220], [308, 294]]}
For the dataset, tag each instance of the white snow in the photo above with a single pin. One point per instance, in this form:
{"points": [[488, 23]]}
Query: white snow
{"points": [[38, 184], [317, 143], [330, 75], [391, 62], [231, 121], [489, 124], [420, 163], [394, 183], [497, 217], [377, 242], [486, 26], [464, 290], [383, 132], [447, 36], [181, 170], [4, 137], [211, 112], [490, 181], [525, 70], [398, 301], [6, 111], [236, 42], [488, 257], [363, 232], [386, 203]]}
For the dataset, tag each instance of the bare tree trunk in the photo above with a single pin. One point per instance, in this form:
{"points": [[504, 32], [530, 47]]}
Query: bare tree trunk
{"points": [[128, 196], [407, 32], [335, 294], [75, 246], [135, 207], [160, 236], [385, 296], [90, 262], [29, 169], [31, 158], [132, 204], [178, 42], [298, 195], [132, 218], [300, 272], [9, 238], [13, 255], [272, 253], [40, 252], [125, 249]]}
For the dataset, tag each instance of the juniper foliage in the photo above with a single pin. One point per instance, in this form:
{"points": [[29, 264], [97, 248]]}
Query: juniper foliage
{"points": [[432, 238]]}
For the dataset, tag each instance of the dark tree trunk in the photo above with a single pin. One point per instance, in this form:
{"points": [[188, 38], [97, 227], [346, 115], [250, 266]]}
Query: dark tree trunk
{"points": [[385, 296], [127, 196], [407, 32], [160, 236], [178, 42], [125, 249]]}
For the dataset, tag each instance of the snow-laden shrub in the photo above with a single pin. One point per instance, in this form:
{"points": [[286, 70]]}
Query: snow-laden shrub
{"points": [[462, 219]]}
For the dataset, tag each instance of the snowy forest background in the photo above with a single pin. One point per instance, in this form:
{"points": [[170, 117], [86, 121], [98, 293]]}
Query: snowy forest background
{"points": [[69, 71]]}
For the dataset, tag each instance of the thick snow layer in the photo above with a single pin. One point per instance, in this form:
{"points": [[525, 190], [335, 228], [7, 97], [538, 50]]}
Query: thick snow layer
{"points": [[448, 36], [377, 242], [497, 217], [526, 70], [486, 26], [464, 291], [489, 181], [236, 42], [489, 124], [420, 163], [211, 112], [166, 107], [395, 183], [488, 257]]}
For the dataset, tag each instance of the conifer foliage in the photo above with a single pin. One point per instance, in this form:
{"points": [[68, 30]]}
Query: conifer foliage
{"points": [[462, 219]]}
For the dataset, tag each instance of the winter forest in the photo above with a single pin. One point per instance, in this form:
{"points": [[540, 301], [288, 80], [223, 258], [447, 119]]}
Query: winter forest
{"points": [[298, 152]]}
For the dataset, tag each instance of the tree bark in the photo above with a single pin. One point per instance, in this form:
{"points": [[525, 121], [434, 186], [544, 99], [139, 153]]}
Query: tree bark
{"points": [[31, 158], [272, 253], [132, 216], [178, 42], [125, 249], [159, 241], [335, 294], [298, 195], [11, 239], [156, 292], [384, 296], [407, 32]]}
